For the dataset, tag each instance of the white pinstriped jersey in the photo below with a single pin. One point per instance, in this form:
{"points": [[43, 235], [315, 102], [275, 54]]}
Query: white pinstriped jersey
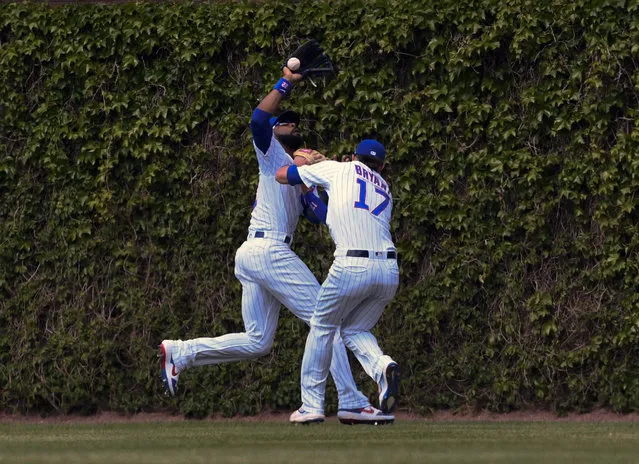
{"points": [[278, 207], [359, 210]]}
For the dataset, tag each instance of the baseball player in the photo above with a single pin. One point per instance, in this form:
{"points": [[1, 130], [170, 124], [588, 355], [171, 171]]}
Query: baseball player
{"points": [[363, 278], [270, 272]]}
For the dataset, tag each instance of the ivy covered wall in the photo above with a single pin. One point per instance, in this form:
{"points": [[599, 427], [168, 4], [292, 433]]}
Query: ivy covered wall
{"points": [[127, 176]]}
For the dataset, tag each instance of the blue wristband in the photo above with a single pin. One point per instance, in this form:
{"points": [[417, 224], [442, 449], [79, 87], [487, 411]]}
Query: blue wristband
{"points": [[283, 86]]}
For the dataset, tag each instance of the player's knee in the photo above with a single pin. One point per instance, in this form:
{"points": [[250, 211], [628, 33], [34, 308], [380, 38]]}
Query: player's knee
{"points": [[348, 333], [323, 323], [323, 331], [260, 347]]}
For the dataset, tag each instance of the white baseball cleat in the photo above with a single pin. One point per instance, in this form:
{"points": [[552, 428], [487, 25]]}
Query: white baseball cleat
{"points": [[369, 415], [303, 417], [389, 388], [169, 373]]}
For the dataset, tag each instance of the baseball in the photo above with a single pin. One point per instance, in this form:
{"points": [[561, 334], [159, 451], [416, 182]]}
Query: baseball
{"points": [[293, 64]]}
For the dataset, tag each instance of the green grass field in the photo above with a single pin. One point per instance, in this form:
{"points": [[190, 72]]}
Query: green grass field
{"points": [[242, 442]]}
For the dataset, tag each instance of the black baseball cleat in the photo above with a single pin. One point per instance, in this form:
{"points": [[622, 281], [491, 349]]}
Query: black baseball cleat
{"points": [[389, 388]]}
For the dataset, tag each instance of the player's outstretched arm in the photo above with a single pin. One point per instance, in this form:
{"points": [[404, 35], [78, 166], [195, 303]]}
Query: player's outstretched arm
{"points": [[260, 125], [282, 89]]}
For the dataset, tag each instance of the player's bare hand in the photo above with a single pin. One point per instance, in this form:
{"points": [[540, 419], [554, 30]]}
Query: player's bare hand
{"points": [[300, 161], [290, 75]]}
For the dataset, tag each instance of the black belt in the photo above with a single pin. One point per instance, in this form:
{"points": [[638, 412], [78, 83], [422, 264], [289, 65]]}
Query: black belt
{"points": [[260, 234], [364, 254]]}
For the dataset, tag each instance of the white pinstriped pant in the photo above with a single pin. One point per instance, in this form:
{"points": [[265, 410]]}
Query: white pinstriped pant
{"points": [[350, 302], [270, 273]]}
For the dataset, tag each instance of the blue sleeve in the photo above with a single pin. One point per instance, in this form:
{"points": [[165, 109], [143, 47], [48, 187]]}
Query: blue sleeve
{"points": [[293, 175], [261, 129], [314, 208]]}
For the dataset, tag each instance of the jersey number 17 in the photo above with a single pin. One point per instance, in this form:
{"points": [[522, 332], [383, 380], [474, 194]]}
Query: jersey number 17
{"points": [[361, 203]]}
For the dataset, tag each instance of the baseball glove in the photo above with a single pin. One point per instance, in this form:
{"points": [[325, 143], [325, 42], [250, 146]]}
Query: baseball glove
{"points": [[312, 156], [314, 62]]}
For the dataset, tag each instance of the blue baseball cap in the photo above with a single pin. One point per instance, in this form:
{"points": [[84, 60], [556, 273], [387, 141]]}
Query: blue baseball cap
{"points": [[285, 116], [372, 148]]}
